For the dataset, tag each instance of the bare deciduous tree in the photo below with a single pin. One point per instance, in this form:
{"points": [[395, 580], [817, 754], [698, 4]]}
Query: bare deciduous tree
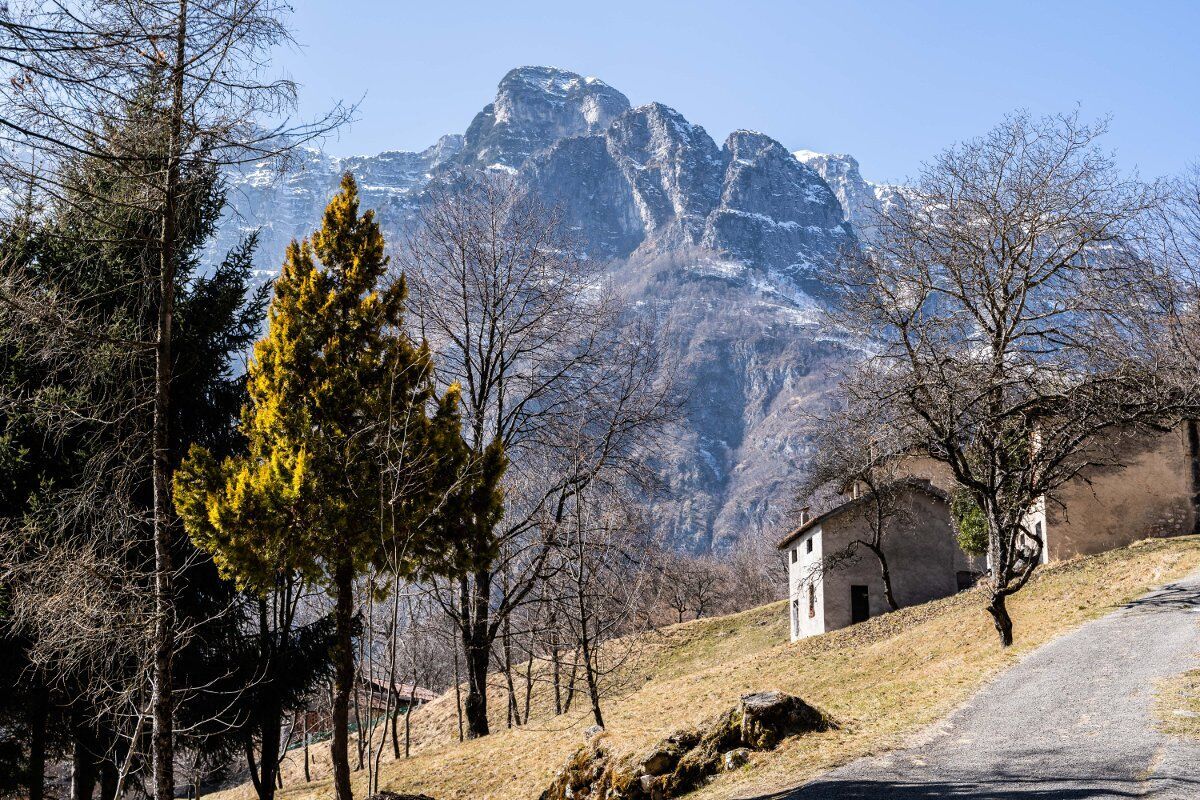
{"points": [[1002, 304], [548, 371], [605, 560], [859, 458], [70, 71]]}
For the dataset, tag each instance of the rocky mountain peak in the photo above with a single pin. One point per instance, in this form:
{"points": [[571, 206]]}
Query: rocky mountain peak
{"points": [[723, 246], [673, 167], [534, 108], [775, 213], [860, 198], [764, 178]]}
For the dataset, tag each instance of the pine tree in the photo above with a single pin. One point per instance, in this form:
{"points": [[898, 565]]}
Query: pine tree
{"points": [[316, 492]]}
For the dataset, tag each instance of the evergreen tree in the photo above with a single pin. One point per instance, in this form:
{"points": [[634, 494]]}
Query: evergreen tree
{"points": [[350, 456], [73, 471]]}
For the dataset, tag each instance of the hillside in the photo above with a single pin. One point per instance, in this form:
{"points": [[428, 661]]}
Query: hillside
{"points": [[882, 681]]}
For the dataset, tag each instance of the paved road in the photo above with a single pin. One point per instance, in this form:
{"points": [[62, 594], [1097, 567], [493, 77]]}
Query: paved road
{"points": [[1071, 721]]}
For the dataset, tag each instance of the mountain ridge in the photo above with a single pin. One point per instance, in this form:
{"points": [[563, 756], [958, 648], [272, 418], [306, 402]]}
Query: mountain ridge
{"points": [[723, 244]]}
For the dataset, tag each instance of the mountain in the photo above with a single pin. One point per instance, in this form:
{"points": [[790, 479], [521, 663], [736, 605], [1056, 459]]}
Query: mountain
{"points": [[723, 244], [860, 199]]}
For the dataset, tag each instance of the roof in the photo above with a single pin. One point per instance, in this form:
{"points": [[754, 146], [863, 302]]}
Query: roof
{"points": [[923, 485], [403, 689]]}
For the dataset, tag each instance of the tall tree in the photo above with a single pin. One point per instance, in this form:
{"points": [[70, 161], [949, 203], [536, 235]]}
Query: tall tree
{"points": [[77, 489], [1008, 311], [307, 496], [69, 68], [552, 379]]}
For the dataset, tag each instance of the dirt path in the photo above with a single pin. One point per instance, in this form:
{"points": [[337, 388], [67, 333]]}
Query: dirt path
{"points": [[1073, 720]]}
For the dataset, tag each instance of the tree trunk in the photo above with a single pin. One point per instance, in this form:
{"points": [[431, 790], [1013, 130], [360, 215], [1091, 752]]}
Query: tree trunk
{"points": [[307, 768], [458, 704], [886, 575], [395, 714], [343, 679], [476, 648], [1000, 617], [528, 683], [108, 779], [251, 763], [162, 700], [83, 759], [39, 710], [585, 650], [514, 713], [412, 698], [571, 685], [589, 669], [270, 726], [556, 670], [270, 712], [358, 724], [304, 733]]}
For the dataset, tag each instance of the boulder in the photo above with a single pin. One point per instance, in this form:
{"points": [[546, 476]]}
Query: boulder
{"points": [[768, 717], [663, 757], [735, 758], [585, 769], [652, 787], [686, 759], [398, 796]]}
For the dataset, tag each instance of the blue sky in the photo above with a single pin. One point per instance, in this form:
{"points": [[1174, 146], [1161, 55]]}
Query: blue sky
{"points": [[889, 82]]}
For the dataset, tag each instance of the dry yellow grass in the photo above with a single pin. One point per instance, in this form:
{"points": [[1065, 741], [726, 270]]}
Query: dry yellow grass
{"points": [[1178, 705], [882, 680]]}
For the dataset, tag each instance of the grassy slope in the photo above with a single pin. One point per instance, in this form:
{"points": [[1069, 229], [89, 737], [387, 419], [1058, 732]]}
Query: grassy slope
{"points": [[1178, 705], [881, 680]]}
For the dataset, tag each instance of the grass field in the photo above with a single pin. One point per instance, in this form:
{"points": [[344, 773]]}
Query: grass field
{"points": [[882, 681], [1178, 705]]}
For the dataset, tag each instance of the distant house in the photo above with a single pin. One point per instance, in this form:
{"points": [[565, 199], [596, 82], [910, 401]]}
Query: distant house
{"points": [[1136, 486], [369, 704], [827, 592], [1140, 485]]}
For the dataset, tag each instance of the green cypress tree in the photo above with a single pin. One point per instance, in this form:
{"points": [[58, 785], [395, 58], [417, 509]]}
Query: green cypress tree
{"points": [[314, 493]]}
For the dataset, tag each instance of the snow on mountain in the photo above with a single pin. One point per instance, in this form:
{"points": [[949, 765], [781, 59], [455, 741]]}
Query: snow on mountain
{"points": [[723, 245], [860, 198]]}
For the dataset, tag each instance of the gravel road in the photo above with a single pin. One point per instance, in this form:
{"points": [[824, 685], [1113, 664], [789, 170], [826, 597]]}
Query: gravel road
{"points": [[1073, 720]]}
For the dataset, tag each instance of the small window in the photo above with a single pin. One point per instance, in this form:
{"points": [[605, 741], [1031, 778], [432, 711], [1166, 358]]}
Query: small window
{"points": [[808, 545], [795, 615], [795, 551], [812, 601]]}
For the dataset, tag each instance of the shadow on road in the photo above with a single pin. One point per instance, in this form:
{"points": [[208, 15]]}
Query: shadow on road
{"points": [[1059, 788], [1173, 597]]}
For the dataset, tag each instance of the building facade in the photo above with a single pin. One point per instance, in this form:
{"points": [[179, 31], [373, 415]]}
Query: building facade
{"points": [[1140, 485], [834, 582]]}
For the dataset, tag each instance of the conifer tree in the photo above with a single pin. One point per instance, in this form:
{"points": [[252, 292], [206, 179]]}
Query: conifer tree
{"points": [[330, 385]]}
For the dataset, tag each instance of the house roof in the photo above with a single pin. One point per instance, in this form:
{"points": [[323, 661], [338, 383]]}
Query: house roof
{"points": [[916, 484], [402, 689]]}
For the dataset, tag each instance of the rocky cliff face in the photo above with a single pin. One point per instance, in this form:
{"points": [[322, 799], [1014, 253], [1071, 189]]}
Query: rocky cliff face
{"points": [[534, 108], [724, 244], [860, 199], [287, 206]]}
